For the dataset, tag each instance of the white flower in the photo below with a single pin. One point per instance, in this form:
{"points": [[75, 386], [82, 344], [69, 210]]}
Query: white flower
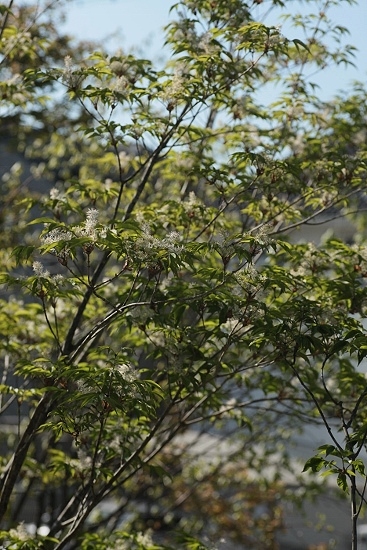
{"points": [[119, 545], [172, 93], [57, 195], [224, 245], [56, 235], [68, 62], [127, 372], [91, 221], [121, 85], [148, 244], [206, 43], [58, 278], [158, 338], [39, 270], [170, 242], [145, 539], [192, 203], [89, 227], [262, 234], [20, 533], [119, 67], [70, 76], [250, 279]]}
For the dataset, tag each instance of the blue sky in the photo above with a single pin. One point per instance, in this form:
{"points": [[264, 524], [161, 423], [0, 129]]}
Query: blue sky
{"points": [[123, 23], [138, 23]]}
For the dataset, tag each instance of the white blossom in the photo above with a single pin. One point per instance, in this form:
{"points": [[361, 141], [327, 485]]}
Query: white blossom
{"points": [[158, 338], [262, 234], [121, 85], [127, 372], [145, 539], [88, 229], [56, 235], [91, 221], [119, 67], [192, 203], [120, 545], [39, 270], [147, 244], [71, 77], [225, 245], [20, 532], [206, 43], [250, 279], [57, 195], [174, 91]]}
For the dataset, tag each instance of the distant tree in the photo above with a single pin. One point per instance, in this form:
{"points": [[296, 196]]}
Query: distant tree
{"points": [[164, 331]]}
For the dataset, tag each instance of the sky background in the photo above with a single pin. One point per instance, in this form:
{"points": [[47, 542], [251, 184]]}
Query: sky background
{"points": [[138, 23]]}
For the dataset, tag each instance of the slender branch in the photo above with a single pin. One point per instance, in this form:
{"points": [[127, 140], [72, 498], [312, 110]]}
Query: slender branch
{"points": [[68, 345], [6, 17], [99, 327], [11, 471], [27, 29], [86, 507], [305, 221], [354, 508], [314, 399], [50, 326]]}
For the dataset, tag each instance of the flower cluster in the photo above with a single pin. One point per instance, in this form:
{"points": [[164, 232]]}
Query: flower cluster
{"points": [[70, 76], [250, 280], [225, 246], [207, 45], [90, 224], [39, 270], [62, 235], [262, 234], [47, 287], [185, 31], [312, 262], [124, 159], [127, 372], [328, 198], [145, 539], [55, 236], [172, 93], [147, 245], [121, 85], [192, 205], [57, 195], [20, 533], [118, 67]]}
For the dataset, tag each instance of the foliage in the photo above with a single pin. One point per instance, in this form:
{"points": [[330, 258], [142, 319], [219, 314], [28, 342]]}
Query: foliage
{"points": [[165, 324]]}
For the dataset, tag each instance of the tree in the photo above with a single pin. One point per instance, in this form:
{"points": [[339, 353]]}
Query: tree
{"points": [[157, 302]]}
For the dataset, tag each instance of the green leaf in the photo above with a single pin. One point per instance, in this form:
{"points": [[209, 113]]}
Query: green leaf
{"points": [[298, 43], [342, 482], [314, 464]]}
